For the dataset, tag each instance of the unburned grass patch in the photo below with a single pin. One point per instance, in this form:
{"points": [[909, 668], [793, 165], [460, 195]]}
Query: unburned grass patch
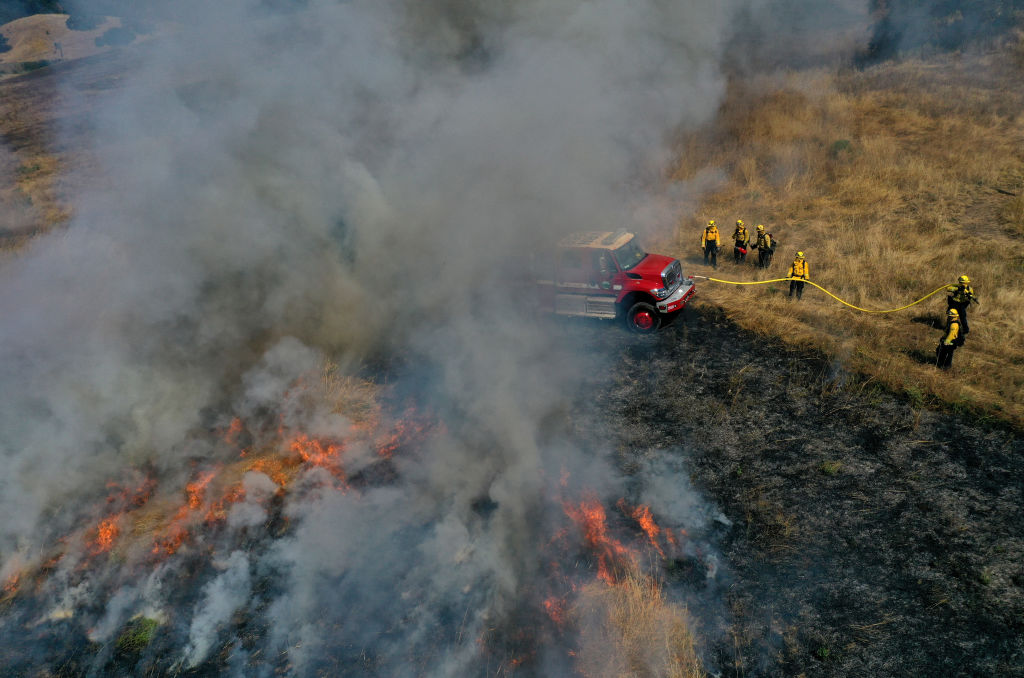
{"points": [[630, 629], [885, 179]]}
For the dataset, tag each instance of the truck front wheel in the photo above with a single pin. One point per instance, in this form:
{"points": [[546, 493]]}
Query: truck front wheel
{"points": [[642, 318]]}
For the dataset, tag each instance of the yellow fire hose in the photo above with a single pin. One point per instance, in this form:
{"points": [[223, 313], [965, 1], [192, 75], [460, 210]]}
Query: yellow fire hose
{"points": [[865, 310]]}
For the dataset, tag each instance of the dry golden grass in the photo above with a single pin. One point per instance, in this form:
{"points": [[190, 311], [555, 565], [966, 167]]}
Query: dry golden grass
{"points": [[38, 167], [893, 181], [629, 629], [355, 398], [46, 37]]}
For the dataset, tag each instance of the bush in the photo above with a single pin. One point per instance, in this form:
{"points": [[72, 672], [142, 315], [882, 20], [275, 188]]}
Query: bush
{"points": [[137, 635], [26, 66]]}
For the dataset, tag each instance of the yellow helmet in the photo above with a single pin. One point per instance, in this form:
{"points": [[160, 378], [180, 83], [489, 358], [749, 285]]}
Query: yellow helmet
{"points": [[739, 222], [760, 227], [799, 255], [953, 313], [964, 280], [711, 222]]}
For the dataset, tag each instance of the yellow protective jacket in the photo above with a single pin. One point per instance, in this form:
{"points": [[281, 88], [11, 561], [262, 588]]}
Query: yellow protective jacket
{"points": [[962, 294], [764, 241], [740, 236], [800, 269], [710, 235], [952, 333]]}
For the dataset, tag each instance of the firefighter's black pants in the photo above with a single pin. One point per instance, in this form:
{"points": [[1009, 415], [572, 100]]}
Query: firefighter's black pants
{"points": [[798, 286], [961, 308], [739, 254], [711, 250], [944, 356], [764, 258]]}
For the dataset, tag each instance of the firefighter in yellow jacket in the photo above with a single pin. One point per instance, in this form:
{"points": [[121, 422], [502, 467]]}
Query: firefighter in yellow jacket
{"points": [[950, 342], [710, 240], [799, 271], [741, 241], [765, 247], [960, 297]]}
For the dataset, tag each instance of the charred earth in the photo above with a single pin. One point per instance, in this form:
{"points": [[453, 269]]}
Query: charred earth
{"points": [[863, 535]]}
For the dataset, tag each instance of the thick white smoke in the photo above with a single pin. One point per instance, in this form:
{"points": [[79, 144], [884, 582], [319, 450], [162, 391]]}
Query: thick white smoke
{"points": [[349, 179]]}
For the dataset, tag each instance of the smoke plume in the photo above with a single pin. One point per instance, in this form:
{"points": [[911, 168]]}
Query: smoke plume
{"points": [[284, 185]]}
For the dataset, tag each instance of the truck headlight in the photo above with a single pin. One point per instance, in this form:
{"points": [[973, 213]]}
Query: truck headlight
{"points": [[660, 293]]}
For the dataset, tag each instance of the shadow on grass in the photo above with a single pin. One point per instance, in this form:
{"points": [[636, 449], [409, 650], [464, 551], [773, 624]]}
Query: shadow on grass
{"points": [[930, 320], [922, 356]]}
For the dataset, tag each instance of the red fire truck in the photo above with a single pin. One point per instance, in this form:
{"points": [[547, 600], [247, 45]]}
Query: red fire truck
{"points": [[605, 274]]}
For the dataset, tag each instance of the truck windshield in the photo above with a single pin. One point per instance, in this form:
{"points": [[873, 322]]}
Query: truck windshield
{"points": [[629, 255]]}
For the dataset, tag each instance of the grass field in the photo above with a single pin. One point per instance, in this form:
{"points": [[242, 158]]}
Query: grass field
{"points": [[893, 180]]}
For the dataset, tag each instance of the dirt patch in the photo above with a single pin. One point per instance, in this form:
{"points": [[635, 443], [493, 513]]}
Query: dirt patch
{"points": [[869, 537]]}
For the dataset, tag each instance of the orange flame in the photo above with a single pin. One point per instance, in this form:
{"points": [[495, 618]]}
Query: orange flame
{"points": [[167, 525], [318, 452], [555, 607], [219, 509], [592, 520], [642, 515], [406, 428], [174, 535], [194, 491], [106, 532], [170, 539], [234, 428], [274, 467]]}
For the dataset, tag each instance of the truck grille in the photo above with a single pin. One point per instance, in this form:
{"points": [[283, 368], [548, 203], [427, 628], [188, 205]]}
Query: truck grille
{"points": [[672, 274]]}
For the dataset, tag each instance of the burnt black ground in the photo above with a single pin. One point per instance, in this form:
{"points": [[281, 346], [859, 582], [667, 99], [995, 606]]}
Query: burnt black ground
{"points": [[869, 537]]}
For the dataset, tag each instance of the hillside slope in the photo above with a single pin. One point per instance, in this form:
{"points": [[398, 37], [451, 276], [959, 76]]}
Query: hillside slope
{"points": [[46, 38], [893, 180]]}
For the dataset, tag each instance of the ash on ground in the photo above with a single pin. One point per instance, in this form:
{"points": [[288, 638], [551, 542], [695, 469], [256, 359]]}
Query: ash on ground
{"points": [[862, 536]]}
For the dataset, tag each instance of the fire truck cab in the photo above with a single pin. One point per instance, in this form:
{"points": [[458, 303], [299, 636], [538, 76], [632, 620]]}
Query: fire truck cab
{"points": [[605, 274]]}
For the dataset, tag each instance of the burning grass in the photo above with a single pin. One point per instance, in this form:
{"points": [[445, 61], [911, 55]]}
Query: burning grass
{"points": [[599, 608], [143, 521], [893, 180], [626, 625]]}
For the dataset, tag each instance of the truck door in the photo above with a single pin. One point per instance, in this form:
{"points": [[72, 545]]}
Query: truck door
{"points": [[584, 282], [571, 282], [601, 297], [543, 271]]}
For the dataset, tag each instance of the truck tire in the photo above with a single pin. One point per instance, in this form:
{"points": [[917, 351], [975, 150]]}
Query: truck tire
{"points": [[642, 318]]}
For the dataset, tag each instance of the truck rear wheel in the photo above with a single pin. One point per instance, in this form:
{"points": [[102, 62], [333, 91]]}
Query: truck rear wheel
{"points": [[642, 318]]}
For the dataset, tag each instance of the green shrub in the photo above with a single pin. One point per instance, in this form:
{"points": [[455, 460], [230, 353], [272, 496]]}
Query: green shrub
{"points": [[26, 66], [830, 468], [137, 635]]}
